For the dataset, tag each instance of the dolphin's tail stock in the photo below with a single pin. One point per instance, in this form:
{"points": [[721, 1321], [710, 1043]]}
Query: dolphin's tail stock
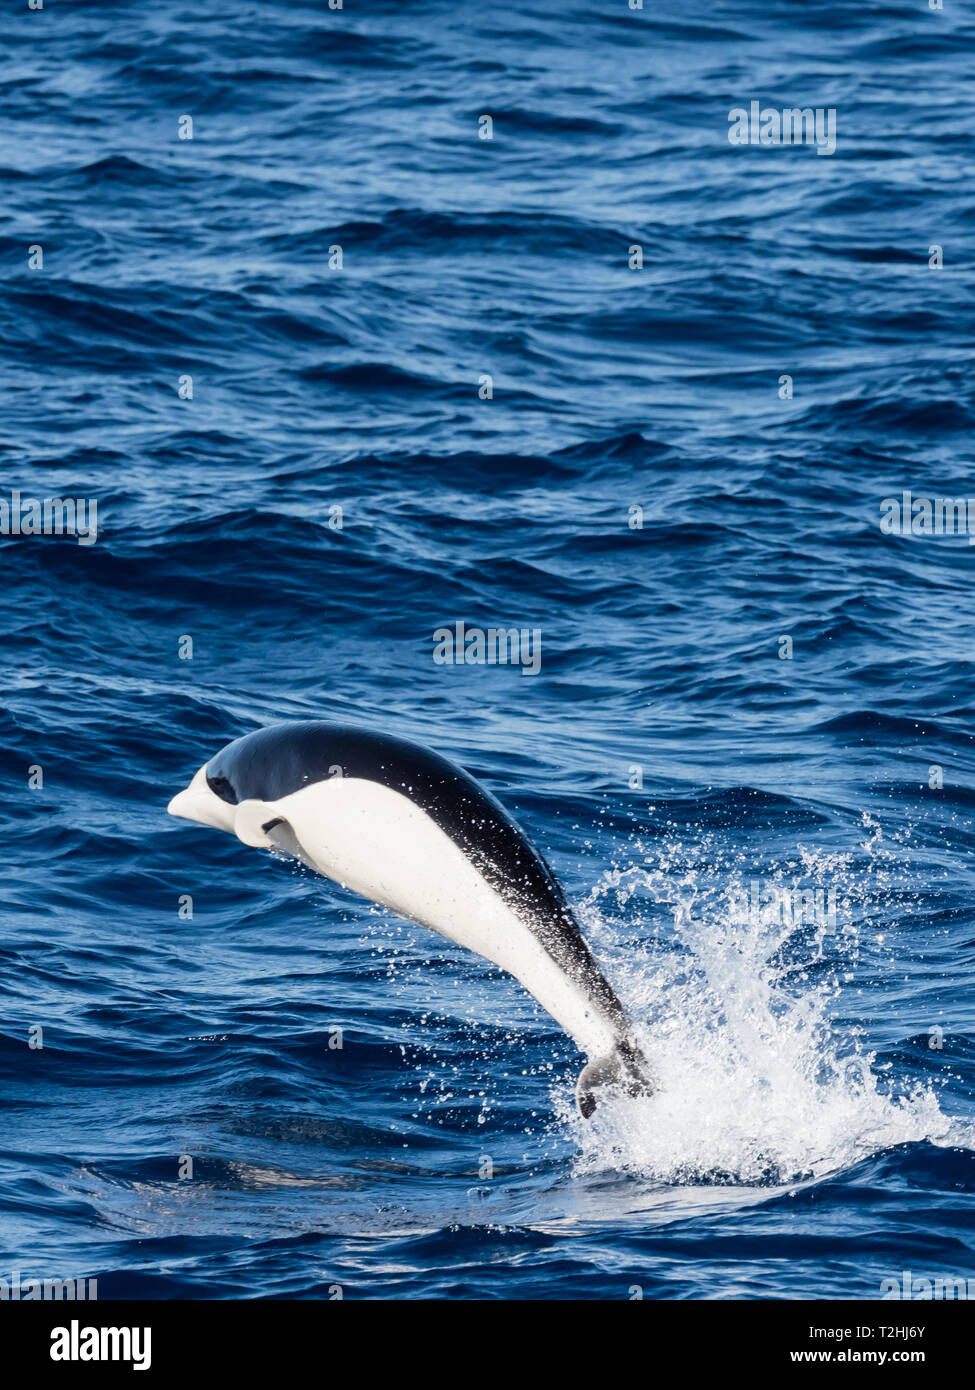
{"points": [[624, 1069]]}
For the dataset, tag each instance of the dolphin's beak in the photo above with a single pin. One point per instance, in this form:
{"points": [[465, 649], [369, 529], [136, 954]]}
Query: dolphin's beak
{"points": [[188, 804], [246, 820], [198, 803]]}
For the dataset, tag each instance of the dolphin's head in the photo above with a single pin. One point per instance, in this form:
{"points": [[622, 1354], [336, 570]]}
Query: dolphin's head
{"points": [[203, 802], [220, 795]]}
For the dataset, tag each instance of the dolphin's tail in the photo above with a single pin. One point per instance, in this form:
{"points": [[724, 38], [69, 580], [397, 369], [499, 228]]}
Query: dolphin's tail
{"points": [[624, 1069]]}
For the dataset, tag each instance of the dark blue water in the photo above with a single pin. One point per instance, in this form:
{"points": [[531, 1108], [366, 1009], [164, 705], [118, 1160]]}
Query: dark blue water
{"points": [[815, 1130]]}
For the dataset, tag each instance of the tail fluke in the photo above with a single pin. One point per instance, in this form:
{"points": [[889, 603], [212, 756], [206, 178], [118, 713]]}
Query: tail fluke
{"points": [[624, 1069]]}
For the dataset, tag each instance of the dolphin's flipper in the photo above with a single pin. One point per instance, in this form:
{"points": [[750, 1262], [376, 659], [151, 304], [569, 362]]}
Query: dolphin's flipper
{"points": [[252, 821]]}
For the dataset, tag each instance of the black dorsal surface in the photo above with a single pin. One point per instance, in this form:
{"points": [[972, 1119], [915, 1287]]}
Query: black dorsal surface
{"points": [[272, 763]]}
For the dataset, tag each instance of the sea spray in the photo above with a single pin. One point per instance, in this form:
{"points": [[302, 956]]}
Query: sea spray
{"points": [[760, 1081]]}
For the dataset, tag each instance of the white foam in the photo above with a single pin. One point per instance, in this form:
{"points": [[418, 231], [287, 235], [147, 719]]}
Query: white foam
{"points": [[758, 1084]]}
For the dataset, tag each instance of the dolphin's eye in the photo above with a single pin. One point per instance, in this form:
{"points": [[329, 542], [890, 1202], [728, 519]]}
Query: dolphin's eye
{"points": [[221, 787]]}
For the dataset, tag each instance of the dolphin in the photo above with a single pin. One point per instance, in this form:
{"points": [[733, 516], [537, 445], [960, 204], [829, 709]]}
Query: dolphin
{"points": [[400, 824]]}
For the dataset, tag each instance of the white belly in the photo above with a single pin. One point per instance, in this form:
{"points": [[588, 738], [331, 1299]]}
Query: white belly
{"points": [[381, 844]]}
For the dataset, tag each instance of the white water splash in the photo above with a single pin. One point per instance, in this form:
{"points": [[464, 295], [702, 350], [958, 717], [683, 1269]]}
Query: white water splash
{"points": [[757, 1086]]}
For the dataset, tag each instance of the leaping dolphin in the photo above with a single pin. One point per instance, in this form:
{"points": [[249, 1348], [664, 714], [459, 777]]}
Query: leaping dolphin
{"points": [[401, 825]]}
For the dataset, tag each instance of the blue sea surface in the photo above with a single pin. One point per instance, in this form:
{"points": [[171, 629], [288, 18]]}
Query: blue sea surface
{"points": [[431, 383]]}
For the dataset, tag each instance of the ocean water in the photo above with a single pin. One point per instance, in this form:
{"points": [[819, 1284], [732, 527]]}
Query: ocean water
{"points": [[749, 748]]}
